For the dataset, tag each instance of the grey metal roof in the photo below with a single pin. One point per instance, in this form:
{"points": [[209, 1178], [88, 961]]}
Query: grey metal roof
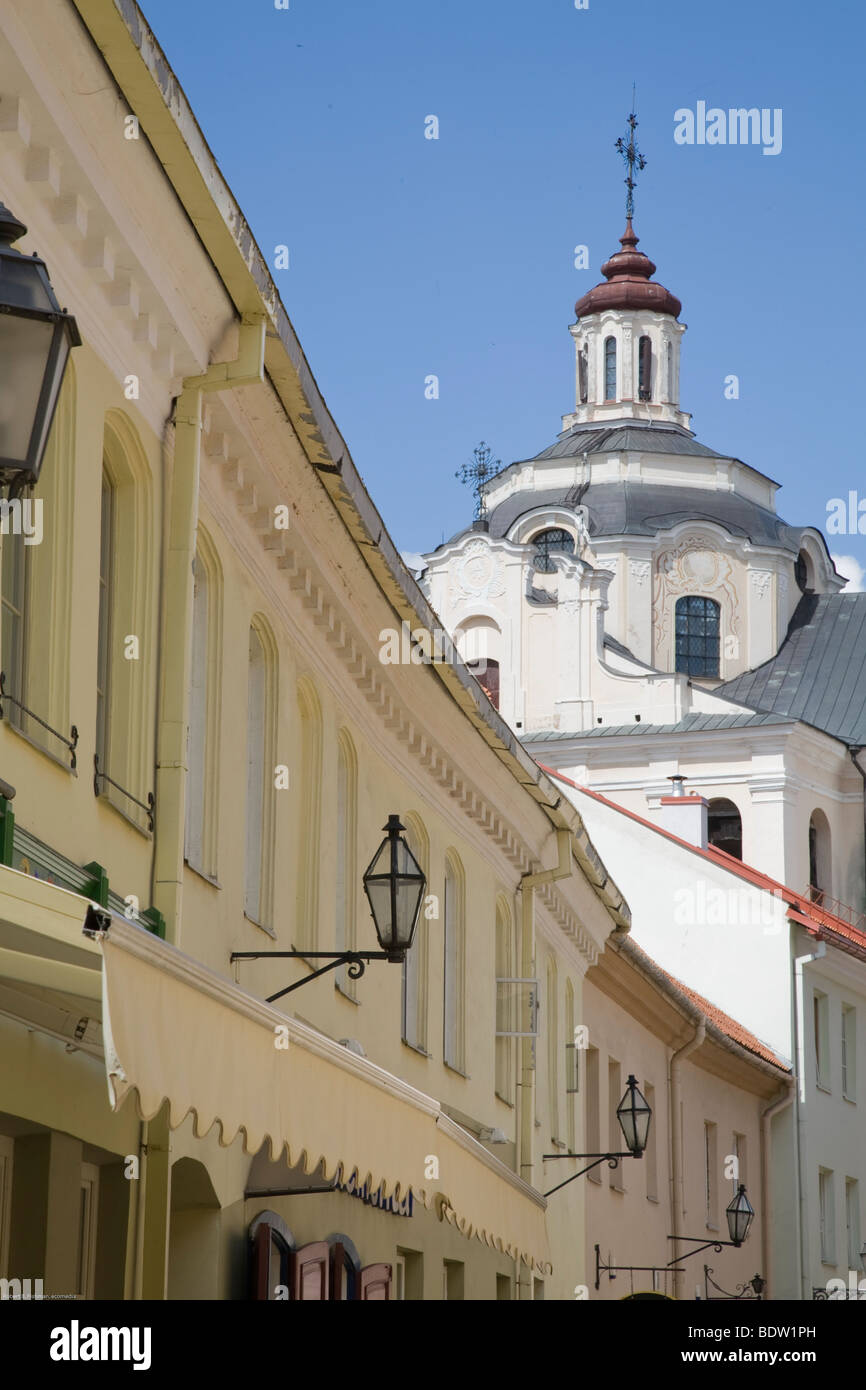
{"points": [[818, 675], [653, 439], [689, 724], [635, 508]]}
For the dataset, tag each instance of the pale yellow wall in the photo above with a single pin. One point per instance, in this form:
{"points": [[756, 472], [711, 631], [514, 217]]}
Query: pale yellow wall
{"points": [[630, 1226]]}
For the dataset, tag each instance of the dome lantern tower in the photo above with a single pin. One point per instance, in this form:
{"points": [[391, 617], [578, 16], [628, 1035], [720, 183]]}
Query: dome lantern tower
{"points": [[627, 335]]}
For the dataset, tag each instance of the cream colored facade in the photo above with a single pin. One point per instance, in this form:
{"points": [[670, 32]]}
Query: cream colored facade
{"points": [[709, 1096], [243, 690]]}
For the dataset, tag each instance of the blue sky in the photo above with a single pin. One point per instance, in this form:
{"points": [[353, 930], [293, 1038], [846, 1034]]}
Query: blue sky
{"points": [[454, 257]]}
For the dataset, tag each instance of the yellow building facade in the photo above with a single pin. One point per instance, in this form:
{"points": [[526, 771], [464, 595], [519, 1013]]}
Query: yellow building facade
{"points": [[203, 733]]}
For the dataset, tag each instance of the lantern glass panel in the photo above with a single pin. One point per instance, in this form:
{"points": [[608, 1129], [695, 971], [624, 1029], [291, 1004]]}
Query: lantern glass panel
{"points": [[25, 345], [394, 870], [740, 1214], [634, 1117], [24, 284]]}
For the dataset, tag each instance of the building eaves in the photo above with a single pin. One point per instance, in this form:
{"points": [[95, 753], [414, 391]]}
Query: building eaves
{"points": [[143, 74]]}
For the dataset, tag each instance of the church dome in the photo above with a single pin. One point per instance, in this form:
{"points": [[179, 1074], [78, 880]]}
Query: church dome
{"points": [[628, 285]]}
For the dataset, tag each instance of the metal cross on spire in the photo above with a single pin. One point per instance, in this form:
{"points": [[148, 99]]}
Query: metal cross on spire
{"points": [[478, 473], [634, 160]]}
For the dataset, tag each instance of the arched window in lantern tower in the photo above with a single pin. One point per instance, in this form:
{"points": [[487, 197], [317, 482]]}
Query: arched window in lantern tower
{"points": [[610, 369], [644, 362]]}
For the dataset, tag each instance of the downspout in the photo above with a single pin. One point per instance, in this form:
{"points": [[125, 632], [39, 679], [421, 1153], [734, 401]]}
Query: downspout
{"points": [[800, 962], [854, 752], [140, 1207], [676, 1137], [176, 617], [781, 1102], [526, 1076]]}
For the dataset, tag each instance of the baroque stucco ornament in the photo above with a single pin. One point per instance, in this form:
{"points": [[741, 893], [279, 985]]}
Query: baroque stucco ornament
{"points": [[477, 574], [694, 567]]}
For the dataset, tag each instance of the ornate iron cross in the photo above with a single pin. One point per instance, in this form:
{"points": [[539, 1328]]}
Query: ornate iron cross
{"points": [[634, 161], [477, 473]]}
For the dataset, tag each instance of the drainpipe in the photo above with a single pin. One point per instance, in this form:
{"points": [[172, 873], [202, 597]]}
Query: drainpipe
{"points": [[800, 962], [854, 752], [140, 1206], [674, 1101], [783, 1100], [526, 1077], [176, 616]]}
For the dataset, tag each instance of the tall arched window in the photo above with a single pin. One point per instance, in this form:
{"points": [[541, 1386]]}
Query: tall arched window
{"points": [[414, 992], [309, 812], [583, 374], [454, 983], [347, 853], [644, 363], [552, 541], [196, 747], [572, 1069], [820, 860], [698, 629], [553, 1047], [15, 621], [725, 826], [202, 795], [49, 581], [125, 615], [105, 619], [261, 740], [610, 369], [504, 1083], [256, 700]]}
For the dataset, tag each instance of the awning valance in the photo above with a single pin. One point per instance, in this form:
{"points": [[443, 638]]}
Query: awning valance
{"points": [[176, 1031]]}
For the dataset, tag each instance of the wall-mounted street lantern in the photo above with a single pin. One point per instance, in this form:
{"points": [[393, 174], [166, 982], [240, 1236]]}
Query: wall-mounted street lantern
{"points": [[634, 1115], [740, 1214], [751, 1289], [36, 336], [394, 883]]}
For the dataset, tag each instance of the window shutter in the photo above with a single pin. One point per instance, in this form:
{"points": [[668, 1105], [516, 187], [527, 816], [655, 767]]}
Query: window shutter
{"points": [[309, 1269], [376, 1282], [260, 1261]]}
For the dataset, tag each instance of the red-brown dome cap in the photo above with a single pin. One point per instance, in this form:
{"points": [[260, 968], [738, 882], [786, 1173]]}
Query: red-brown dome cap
{"points": [[628, 284]]}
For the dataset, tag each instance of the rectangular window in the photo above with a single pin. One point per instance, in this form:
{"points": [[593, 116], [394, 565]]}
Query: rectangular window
{"points": [[852, 1223], [650, 1157], [104, 642], [503, 1288], [711, 1172], [412, 1265], [593, 1124], [453, 1281], [615, 1139], [821, 1022], [849, 1052], [827, 1216]]}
